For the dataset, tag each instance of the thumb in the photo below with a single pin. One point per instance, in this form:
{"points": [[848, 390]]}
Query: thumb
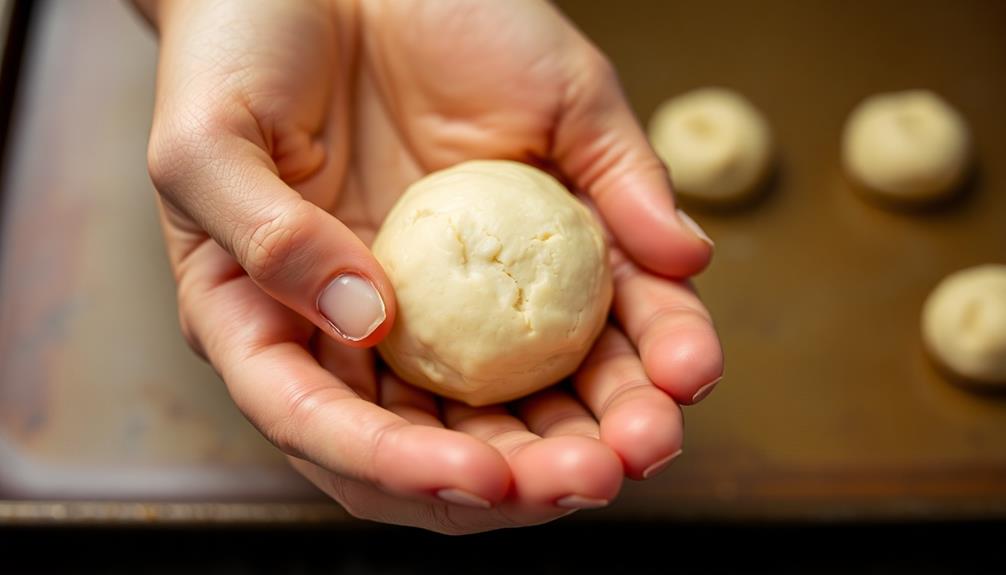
{"points": [[227, 184], [601, 147]]}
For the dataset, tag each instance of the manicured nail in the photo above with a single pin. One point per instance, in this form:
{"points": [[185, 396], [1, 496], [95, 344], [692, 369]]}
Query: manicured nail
{"points": [[581, 502], [660, 465], [705, 390], [695, 228], [353, 306], [462, 497]]}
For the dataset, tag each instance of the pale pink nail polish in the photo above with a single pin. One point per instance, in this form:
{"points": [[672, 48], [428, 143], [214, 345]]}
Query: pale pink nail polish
{"points": [[462, 497], [705, 390], [353, 306], [660, 465], [581, 502], [695, 227]]}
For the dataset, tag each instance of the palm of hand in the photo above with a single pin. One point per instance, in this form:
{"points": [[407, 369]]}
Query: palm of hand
{"points": [[421, 87], [410, 114], [434, 85]]}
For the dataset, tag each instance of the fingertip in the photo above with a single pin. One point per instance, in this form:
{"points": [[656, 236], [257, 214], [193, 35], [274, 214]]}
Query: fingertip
{"points": [[685, 360], [358, 309], [570, 469], [671, 251], [689, 249], [429, 461], [652, 231], [646, 431], [685, 221], [700, 246], [379, 280]]}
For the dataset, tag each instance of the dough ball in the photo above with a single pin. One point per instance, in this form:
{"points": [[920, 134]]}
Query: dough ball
{"points": [[502, 281], [964, 323], [716, 144], [907, 146]]}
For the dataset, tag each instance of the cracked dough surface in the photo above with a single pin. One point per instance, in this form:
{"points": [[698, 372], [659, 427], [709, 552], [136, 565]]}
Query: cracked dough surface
{"points": [[964, 323], [501, 277], [909, 146]]}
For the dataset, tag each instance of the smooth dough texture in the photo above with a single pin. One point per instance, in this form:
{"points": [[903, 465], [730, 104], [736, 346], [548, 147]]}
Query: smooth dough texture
{"points": [[964, 323], [501, 277], [716, 144], [907, 146]]}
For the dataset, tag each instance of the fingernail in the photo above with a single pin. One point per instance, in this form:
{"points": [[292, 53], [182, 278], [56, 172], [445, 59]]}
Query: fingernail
{"points": [[353, 306], [462, 497], [695, 227], [705, 390], [660, 465], [581, 502]]}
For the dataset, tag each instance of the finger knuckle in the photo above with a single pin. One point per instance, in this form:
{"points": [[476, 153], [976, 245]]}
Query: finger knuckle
{"points": [[672, 316], [384, 452], [301, 406], [275, 245], [597, 73], [191, 337], [178, 147], [184, 302], [304, 408], [602, 68], [162, 161]]}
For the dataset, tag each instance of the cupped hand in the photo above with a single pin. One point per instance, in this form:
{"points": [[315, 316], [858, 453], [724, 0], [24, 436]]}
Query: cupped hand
{"points": [[284, 131]]}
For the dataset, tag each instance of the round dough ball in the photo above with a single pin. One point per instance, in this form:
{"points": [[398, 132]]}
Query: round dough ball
{"points": [[964, 323], [907, 146], [502, 281], [716, 144]]}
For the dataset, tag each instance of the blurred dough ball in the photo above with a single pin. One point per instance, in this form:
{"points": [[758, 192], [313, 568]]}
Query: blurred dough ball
{"points": [[908, 146], [964, 323], [716, 144], [502, 281]]}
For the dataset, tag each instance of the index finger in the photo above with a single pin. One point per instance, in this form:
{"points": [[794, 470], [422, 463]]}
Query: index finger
{"points": [[309, 413]]}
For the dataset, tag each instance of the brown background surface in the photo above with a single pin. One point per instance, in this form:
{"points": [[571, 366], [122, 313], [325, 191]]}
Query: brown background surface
{"points": [[829, 404], [829, 408]]}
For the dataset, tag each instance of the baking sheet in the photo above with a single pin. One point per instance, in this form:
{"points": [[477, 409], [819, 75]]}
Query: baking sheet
{"points": [[100, 398], [829, 409], [829, 406]]}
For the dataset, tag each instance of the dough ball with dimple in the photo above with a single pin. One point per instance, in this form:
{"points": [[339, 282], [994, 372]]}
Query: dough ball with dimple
{"points": [[964, 323], [716, 144], [907, 146], [502, 281]]}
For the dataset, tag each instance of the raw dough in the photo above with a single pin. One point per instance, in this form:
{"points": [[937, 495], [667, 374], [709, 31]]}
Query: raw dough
{"points": [[716, 144], [501, 277], [909, 146], [964, 323]]}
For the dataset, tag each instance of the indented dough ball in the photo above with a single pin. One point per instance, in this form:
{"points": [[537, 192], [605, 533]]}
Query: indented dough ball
{"points": [[502, 281], [964, 323], [907, 146], [716, 144]]}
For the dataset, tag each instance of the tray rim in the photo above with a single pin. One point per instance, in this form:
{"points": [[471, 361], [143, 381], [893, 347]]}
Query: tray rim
{"points": [[113, 513]]}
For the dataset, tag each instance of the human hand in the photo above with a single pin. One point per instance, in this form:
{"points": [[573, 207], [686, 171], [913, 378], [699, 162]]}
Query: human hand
{"points": [[283, 133]]}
